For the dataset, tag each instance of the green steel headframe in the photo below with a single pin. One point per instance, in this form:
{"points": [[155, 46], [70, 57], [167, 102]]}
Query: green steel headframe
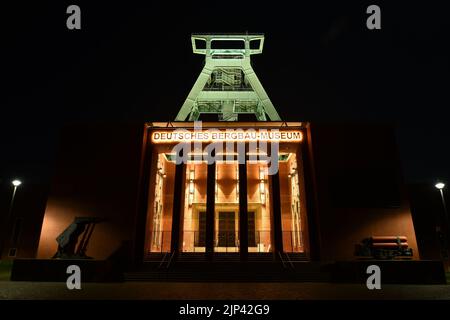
{"points": [[227, 85]]}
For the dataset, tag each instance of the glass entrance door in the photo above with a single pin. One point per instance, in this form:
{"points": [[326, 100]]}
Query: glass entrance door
{"points": [[200, 235], [227, 229], [226, 208], [252, 239]]}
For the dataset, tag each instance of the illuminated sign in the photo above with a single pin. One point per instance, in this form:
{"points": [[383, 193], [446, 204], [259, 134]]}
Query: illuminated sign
{"points": [[231, 135]]}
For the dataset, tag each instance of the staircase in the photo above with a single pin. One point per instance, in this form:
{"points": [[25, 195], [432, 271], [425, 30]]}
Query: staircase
{"points": [[227, 267]]}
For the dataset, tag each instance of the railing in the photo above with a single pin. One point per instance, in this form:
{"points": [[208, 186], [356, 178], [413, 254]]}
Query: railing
{"points": [[170, 259], [289, 260], [227, 241], [163, 260], [227, 56], [282, 259], [228, 88]]}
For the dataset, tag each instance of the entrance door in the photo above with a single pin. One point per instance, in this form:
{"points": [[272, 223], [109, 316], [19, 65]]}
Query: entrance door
{"points": [[200, 235], [251, 229], [227, 229]]}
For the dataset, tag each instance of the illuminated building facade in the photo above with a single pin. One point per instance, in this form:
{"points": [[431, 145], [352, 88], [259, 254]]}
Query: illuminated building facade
{"points": [[261, 189], [217, 205]]}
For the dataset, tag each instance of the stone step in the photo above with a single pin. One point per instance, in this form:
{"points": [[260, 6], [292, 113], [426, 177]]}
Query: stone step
{"points": [[229, 277], [261, 271]]}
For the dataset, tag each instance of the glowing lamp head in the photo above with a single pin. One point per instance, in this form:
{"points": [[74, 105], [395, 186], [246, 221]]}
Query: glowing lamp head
{"points": [[16, 183], [440, 185]]}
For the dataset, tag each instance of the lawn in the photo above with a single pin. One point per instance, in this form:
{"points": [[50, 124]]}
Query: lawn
{"points": [[5, 269]]}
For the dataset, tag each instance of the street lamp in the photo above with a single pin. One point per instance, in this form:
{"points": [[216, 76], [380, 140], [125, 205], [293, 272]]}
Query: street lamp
{"points": [[440, 186], [16, 183]]}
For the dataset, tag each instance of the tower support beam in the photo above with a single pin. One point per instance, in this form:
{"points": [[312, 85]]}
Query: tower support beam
{"points": [[227, 72]]}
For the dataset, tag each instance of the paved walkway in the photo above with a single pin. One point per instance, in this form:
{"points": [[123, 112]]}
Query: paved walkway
{"points": [[236, 291]]}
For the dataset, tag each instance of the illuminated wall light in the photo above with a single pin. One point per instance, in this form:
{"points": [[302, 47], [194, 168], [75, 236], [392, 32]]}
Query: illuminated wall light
{"points": [[191, 186], [161, 173], [197, 153], [292, 173], [262, 186], [262, 191], [259, 153], [261, 174], [225, 153]]}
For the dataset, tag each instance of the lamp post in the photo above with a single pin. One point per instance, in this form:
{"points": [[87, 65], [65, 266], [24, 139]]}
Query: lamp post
{"points": [[440, 186], [16, 183]]}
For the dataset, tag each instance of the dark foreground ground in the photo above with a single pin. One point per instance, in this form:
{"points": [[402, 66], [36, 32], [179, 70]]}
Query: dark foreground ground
{"points": [[206, 291]]}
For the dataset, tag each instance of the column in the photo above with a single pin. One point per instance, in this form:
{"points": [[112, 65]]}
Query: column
{"points": [[243, 207], [210, 207], [177, 218], [276, 214]]}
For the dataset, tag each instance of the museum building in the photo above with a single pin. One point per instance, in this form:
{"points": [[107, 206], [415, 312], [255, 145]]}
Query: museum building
{"points": [[264, 189]]}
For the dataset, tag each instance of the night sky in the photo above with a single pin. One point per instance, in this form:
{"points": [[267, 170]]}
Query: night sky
{"points": [[134, 62]]}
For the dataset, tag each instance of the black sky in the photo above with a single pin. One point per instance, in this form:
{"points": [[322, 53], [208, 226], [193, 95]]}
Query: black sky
{"points": [[133, 62]]}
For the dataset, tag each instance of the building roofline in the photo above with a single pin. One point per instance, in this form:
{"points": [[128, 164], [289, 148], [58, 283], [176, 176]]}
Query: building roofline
{"points": [[227, 124]]}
